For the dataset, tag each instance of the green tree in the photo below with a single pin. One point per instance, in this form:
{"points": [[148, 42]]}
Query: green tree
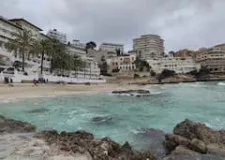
{"points": [[58, 55], [45, 47], [90, 45], [21, 43], [141, 65]]}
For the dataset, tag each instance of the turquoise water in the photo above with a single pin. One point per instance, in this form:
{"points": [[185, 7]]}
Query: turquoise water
{"points": [[169, 105]]}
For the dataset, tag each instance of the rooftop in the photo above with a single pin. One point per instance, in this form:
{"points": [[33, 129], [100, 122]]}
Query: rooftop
{"points": [[7, 21], [22, 19], [112, 44]]}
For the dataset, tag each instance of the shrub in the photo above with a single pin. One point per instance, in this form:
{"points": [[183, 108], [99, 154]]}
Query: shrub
{"points": [[116, 70], [136, 76]]}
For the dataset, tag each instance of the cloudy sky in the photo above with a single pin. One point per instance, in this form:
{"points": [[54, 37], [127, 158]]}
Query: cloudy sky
{"points": [[182, 23]]}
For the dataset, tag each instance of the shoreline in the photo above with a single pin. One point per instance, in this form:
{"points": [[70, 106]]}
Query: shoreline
{"points": [[189, 139], [29, 91]]}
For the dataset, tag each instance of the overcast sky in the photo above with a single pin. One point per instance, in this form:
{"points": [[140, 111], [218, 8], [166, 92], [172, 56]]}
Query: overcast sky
{"points": [[181, 23]]}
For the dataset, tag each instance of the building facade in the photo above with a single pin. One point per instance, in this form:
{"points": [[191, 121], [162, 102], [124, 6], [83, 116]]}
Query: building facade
{"points": [[24, 24], [213, 59], [111, 47], [33, 63], [57, 35], [149, 46], [180, 65], [78, 44], [123, 63]]}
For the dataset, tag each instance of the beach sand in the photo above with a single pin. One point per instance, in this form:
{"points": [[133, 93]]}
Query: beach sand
{"points": [[43, 90]]}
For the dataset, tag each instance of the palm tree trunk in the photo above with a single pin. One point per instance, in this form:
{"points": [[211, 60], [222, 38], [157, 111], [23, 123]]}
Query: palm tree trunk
{"points": [[23, 61], [42, 60], [90, 70]]}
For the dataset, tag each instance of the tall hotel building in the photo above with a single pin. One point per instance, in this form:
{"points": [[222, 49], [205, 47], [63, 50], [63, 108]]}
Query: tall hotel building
{"points": [[149, 46]]}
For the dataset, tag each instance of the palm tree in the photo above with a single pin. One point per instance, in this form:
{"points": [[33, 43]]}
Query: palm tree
{"points": [[45, 47], [60, 58], [22, 44]]}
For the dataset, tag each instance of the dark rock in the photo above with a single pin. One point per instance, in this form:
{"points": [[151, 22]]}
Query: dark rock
{"points": [[181, 157], [99, 149], [12, 126], [102, 119], [39, 110], [216, 149], [172, 141], [198, 146], [132, 91], [196, 137], [191, 130], [126, 145], [211, 157], [152, 139], [183, 153], [182, 150], [151, 133]]}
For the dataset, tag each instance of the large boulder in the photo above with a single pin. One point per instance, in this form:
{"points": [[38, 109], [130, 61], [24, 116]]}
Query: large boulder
{"points": [[102, 119], [183, 153], [13, 126], [99, 149], [172, 141], [191, 130], [134, 93], [196, 137], [216, 149], [198, 146]]}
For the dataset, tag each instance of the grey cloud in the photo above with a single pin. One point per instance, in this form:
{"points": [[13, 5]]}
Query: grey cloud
{"points": [[182, 23]]}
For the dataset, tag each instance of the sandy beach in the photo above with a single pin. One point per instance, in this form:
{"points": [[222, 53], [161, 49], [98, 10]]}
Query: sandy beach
{"points": [[31, 91]]}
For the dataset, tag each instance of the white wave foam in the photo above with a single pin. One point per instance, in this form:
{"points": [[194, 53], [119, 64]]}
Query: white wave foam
{"points": [[9, 100], [156, 93], [221, 84]]}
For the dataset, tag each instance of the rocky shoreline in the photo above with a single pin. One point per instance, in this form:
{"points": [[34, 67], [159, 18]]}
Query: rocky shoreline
{"points": [[189, 141]]}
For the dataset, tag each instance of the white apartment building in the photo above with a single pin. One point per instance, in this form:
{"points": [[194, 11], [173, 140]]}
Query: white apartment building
{"points": [[33, 63], [7, 27], [213, 59], [24, 24], [149, 46], [57, 35], [111, 47], [78, 44], [123, 63], [180, 65]]}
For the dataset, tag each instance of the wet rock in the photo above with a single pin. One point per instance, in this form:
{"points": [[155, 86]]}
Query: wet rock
{"points": [[198, 146], [211, 157], [151, 133], [216, 149], [181, 157], [132, 91], [153, 140], [182, 150], [196, 137], [101, 119], [191, 130], [12, 126], [99, 149], [183, 153], [172, 141], [39, 110]]}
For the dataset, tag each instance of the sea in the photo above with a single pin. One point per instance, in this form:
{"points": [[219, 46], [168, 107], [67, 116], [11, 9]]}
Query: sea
{"points": [[122, 117]]}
